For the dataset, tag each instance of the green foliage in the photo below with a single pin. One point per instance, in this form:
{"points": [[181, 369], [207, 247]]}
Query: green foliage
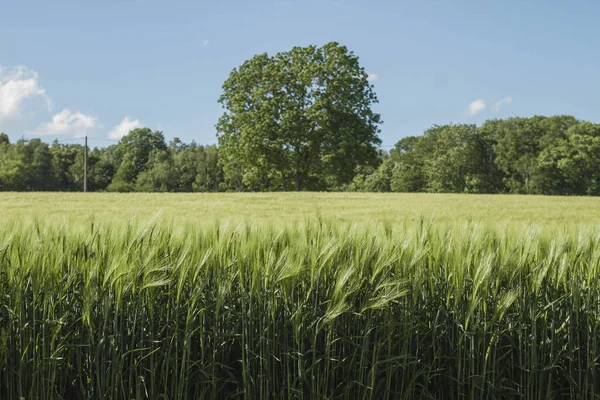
{"points": [[371, 178], [136, 150], [449, 162], [379, 181], [539, 155], [63, 159], [408, 175], [209, 175], [25, 165], [124, 178], [299, 120], [159, 174], [100, 170], [572, 164], [518, 144]]}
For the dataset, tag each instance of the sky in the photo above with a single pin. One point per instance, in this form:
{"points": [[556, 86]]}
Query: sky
{"points": [[70, 68]]}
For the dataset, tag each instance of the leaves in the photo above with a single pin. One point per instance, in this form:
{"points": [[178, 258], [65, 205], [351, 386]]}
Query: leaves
{"points": [[298, 119]]}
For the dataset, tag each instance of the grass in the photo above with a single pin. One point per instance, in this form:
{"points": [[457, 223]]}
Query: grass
{"points": [[328, 296]]}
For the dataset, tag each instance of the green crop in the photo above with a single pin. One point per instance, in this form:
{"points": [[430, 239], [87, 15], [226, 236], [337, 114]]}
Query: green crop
{"points": [[314, 309], [277, 208]]}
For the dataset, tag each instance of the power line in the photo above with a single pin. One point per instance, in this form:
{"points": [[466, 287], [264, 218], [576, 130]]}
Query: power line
{"points": [[86, 137], [108, 140], [67, 140]]}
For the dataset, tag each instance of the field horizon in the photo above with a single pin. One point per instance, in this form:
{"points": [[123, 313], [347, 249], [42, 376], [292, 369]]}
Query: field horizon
{"points": [[290, 207]]}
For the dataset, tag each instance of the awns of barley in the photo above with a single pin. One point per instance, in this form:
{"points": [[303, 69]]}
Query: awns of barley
{"points": [[318, 310]]}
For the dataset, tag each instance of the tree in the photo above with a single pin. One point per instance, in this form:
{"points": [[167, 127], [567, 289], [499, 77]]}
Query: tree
{"points": [[101, 169], [184, 164], [300, 119], [196, 167], [209, 175], [159, 174], [132, 155], [370, 178], [380, 180], [446, 159], [65, 167], [13, 169], [26, 165], [519, 142], [572, 164], [516, 149], [407, 173]]}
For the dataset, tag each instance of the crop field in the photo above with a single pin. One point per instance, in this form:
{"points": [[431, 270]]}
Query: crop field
{"points": [[309, 296], [285, 208]]}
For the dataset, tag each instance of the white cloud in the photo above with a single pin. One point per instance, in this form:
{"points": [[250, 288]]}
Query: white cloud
{"points": [[477, 106], [372, 77], [68, 123], [16, 86], [124, 128], [507, 100], [206, 42]]}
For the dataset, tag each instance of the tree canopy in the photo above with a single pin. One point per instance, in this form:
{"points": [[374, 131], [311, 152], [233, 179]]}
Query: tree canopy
{"points": [[556, 155], [299, 120]]}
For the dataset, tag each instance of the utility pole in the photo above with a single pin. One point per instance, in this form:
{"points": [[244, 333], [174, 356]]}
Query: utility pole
{"points": [[85, 166]]}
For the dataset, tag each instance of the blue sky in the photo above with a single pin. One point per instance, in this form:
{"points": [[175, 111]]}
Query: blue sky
{"points": [[71, 67]]}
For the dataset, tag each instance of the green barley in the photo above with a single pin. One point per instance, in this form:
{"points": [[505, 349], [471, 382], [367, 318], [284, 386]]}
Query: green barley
{"points": [[314, 309]]}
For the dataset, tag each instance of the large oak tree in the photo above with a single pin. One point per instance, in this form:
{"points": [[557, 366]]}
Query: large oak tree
{"points": [[300, 120]]}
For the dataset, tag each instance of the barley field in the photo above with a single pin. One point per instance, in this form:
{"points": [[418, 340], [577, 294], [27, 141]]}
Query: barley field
{"points": [[308, 296], [283, 208]]}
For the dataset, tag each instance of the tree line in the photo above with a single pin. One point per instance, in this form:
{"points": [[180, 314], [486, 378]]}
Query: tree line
{"points": [[303, 120], [141, 162], [557, 155]]}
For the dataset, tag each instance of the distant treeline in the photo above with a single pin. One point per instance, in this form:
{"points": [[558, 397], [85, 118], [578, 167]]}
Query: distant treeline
{"points": [[538, 155]]}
